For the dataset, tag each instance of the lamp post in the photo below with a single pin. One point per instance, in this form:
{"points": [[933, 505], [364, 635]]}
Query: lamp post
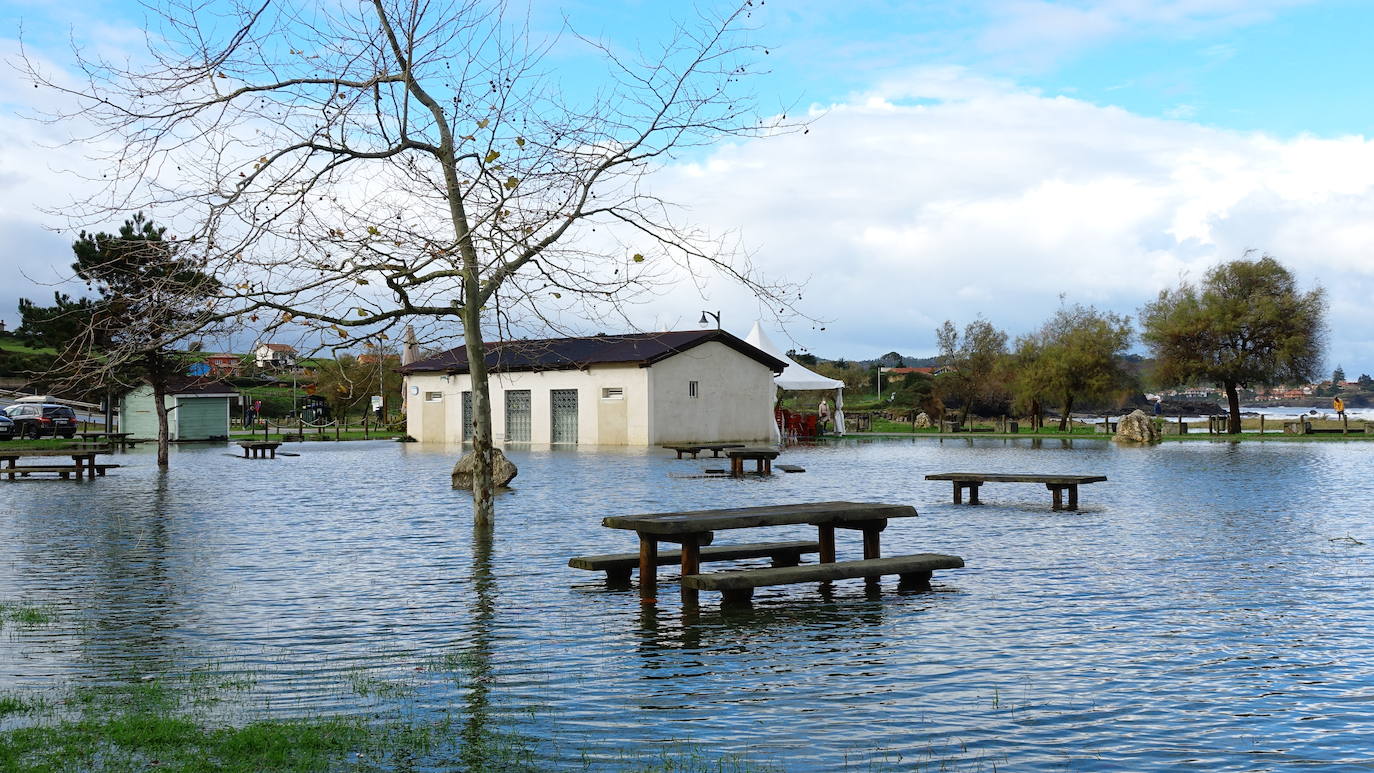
{"points": [[703, 322]]}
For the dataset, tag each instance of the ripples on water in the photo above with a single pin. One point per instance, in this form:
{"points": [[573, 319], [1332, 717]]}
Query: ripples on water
{"points": [[1201, 610]]}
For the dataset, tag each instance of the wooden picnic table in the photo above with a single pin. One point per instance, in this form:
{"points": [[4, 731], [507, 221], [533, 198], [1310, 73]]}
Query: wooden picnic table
{"points": [[258, 449], [762, 458], [120, 439], [83, 463], [1057, 484], [695, 528]]}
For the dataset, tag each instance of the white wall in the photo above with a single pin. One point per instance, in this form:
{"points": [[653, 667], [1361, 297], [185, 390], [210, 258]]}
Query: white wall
{"points": [[631, 379], [734, 397]]}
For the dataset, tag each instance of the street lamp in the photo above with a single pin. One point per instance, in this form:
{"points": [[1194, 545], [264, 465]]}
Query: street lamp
{"points": [[703, 322]]}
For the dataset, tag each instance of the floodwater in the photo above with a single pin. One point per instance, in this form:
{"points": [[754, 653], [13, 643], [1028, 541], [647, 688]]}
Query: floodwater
{"points": [[1207, 608]]}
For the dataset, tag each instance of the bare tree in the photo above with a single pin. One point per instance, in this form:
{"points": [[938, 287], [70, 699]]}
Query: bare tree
{"points": [[354, 168]]}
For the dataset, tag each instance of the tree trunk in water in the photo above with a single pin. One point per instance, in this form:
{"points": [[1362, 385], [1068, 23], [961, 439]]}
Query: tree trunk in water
{"points": [[1233, 404], [1068, 407], [1035, 415], [163, 436], [483, 491]]}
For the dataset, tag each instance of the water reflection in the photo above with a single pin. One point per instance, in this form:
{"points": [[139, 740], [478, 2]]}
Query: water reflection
{"points": [[1210, 604]]}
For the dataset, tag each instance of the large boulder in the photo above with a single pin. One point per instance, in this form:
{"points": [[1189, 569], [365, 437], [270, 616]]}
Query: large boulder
{"points": [[922, 421], [502, 470], [1136, 428]]}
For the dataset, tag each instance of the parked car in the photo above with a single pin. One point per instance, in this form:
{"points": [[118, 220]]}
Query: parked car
{"points": [[35, 420], [6, 427]]}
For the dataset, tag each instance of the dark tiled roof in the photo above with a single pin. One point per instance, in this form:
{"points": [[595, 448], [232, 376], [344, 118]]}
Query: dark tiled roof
{"points": [[571, 353], [199, 386]]}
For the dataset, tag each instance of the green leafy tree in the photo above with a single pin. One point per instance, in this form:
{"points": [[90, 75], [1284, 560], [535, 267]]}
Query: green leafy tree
{"points": [[149, 300], [1338, 377], [1078, 354], [972, 361], [56, 325], [1246, 324], [891, 360]]}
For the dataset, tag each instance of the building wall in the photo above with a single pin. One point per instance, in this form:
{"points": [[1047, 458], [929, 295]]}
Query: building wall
{"points": [[734, 402], [734, 397], [625, 420], [137, 414]]}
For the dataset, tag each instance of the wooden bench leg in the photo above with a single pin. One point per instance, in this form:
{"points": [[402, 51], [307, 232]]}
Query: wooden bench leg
{"points": [[736, 467], [648, 568], [1057, 495], [766, 466], [919, 581], [827, 540], [958, 493], [872, 549], [619, 577], [1073, 497], [787, 558], [691, 564], [738, 598], [973, 493]]}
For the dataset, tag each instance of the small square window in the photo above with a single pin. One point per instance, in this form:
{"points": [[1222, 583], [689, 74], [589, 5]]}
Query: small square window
{"points": [[612, 393], [434, 397], [692, 390]]}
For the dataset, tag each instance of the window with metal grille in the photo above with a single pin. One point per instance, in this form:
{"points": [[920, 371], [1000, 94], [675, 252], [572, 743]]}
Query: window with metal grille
{"points": [[563, 407], [467, 416], [692, 390], [517, 415]]}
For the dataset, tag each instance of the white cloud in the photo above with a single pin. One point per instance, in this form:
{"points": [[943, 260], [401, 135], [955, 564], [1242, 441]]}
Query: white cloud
{"points": [[995, 200]]}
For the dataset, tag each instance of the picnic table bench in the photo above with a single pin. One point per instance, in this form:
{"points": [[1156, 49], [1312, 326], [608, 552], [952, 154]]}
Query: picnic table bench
{"points": [[1057, 484], [259, 449], [762, 458], [693, 529], [83, 463], [618, 566], [696, 448]]}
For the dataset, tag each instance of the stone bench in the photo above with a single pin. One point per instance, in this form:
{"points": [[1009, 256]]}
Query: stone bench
{"points": [[618, 566], [737, 586]]}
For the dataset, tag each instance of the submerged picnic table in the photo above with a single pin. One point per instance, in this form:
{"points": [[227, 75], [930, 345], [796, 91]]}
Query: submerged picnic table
{"points": [[259, 449], [1057, 484], [83, 463], [762, 457], [120, 439], [694, 529], [696, 448]]}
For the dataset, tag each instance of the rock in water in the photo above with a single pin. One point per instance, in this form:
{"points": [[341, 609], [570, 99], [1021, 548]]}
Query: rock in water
{"points": [[922, 421], [502, 470], [1136, 428]]}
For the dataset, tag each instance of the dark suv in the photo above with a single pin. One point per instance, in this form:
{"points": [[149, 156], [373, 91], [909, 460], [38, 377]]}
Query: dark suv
{"points": [[38, 419]]}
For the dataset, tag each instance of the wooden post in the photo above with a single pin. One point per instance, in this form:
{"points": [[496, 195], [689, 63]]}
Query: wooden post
{"points": [[1181, 430], [1261, 424], [958, 493], [691, 564], [365, 435], [648, 567], [1345, 424], [826, 536], [1057, 495], [336, 430], [1073, 496]]}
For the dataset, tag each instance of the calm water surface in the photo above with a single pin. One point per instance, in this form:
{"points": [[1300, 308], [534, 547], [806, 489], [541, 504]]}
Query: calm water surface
{"points": [[1208, 608]]}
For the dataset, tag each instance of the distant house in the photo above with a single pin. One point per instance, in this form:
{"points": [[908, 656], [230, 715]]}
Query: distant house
{"points": [[198, 409], [278, 356], [637, 389], [224, 365]]}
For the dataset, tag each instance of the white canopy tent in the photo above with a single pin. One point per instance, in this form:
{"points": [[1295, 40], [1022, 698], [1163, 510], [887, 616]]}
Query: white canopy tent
{"points": [[797, 378]]}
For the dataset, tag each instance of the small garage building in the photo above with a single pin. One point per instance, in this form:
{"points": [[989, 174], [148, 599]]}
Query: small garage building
{"points": [[198, 409], [694, 386]]}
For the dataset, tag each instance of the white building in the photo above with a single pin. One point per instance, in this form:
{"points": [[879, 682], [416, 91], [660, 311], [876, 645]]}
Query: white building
{"points": [[278, 356], [641, 389]]}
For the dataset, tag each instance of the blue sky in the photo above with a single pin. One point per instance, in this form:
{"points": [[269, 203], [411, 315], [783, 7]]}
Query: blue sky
{"points": [[1003, 151]]}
